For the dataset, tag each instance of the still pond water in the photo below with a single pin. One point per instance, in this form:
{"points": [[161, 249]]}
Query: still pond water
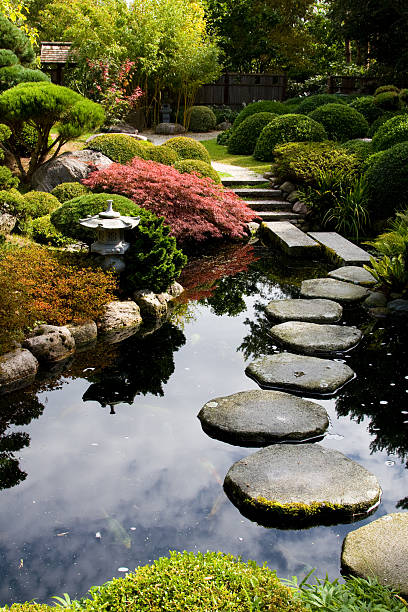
{"points": [[119, 471]]}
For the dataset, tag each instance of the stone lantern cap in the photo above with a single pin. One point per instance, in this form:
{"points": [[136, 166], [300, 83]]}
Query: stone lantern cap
{"points": [[110, 219]]}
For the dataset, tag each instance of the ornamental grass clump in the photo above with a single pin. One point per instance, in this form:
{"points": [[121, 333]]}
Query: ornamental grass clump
{"points": [[195, 209]]}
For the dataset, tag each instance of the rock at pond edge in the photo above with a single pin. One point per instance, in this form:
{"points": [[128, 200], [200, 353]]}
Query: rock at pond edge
{"points": [[17, 369]]}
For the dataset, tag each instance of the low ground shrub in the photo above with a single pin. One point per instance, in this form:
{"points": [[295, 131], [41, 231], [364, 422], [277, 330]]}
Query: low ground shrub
{"points": [[188, 148], [387, 181], [383, 119], [195, 209], [223, 113], [67, 191], [366, 106], [243, 138], [310, 103], [201, 119], [41, 230], [302, 162], [391, 132], [388, 100], [385, 88], [39, 203], [360, 148], [197, 166], [120, 148], [341, 121], [223, 138], [7, 180], [287, 128], [263, 106], [12, 202], [152, 261]]}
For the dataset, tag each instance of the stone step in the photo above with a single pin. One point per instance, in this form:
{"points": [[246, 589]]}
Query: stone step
{"points": [[278, 215], [259, 194], [231, 181], [269, 205], [340, 250], [290, 239]]}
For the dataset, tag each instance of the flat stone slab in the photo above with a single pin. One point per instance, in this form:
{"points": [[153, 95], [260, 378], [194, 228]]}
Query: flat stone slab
{"points": [[290, 238], [288, 485], [311, 338], [353, 274], [314, 311], [380, 549], [339, 249], [299, 373], [333, 290], [258, 418]]}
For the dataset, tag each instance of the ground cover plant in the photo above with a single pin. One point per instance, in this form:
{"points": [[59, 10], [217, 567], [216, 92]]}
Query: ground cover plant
{"points": [[340, 121], [287, 128], [195, 208], [243, 138]]}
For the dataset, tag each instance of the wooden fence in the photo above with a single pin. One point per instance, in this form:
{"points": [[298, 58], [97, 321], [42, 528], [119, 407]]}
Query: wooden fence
{"points": [[233, 89]]}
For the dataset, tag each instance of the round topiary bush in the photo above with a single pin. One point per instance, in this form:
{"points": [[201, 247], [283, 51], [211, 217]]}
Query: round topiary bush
{"points": [[392, 132], [263, 106], [197, 166], [361, 149], [383, 119], [12, 202], [40, 203], [341, 122], [67, 191], [201, 119], [388, 100], [287, 128], [385, 88], [403, 96], [187, 148], [152, 261], [366, 106], [387, 181], [44, 232], [161, 155], [243, 138], [310, 103], [120, 148]]}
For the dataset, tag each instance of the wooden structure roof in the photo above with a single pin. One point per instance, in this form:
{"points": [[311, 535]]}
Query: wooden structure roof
{"points": [[56, 53]]}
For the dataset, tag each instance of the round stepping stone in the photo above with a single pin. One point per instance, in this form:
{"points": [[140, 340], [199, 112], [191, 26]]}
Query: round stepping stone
{"points": [[299, 373], [317, 311], [380, 549], [353, 274], [258, 418], [313, 338], [290, 485], [333, 290]]}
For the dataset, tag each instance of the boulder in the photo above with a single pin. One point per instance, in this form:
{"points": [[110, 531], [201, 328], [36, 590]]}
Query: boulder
{"points": [[224, 125], [169, 128], [299, 485], [376, 299], [152, 306], [17, 369], [287, 187], [299, 373], [67, 168], [333, 290], [122, 128], [293, 197], [50, 343], [380, 550], [300, 208], [353, 274], [84, 334], [311, 338], [120, 315], [317, 311], [173, 291], [258, 418], [7, 222]]}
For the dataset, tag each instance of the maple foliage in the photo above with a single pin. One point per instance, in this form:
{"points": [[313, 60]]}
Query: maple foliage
{"points": [[195, 208]]}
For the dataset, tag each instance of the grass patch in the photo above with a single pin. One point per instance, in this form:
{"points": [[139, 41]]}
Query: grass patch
{"points": [[220, 154]]}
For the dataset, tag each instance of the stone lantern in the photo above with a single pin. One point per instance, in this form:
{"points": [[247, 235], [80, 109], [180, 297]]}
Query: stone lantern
{"points": [[110, 226]]}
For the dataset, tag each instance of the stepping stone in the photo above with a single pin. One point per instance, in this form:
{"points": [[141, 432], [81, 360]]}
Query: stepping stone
{"points": [[313, 338], [299, 485], [278, 215], [341, 250], [290, 239], [380, 549], [299, 373], [333, 290], [317, 311], [260, 194], [269, 205], [258, 418], [353, 274]]}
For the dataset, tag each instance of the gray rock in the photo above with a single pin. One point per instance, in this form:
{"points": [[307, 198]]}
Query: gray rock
{"points": [[152, 306], [169, 128], [317, 311], [173, 291], [7, 222], [308, 375], [114, 336], [119, 315], [287, 187], [353, 274], [84, 334], [301, 484], [300, 208], [398, 307], [224, 125], [122, 128], [17, 369], [67, 168], [380, 549], [50, 343], [311, 338], [293, 197], [376, 299], [257, 418], [333, 290]]}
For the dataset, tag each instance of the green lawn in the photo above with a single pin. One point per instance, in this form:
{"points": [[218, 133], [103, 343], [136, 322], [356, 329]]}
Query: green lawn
{"points": [[220, 154]]}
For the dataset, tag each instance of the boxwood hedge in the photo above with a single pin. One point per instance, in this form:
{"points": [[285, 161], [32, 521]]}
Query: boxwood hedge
{"points": [[243, 138], [392, 132], [263, 106], [188, 148], [341, 122], [197, 166], [387, 181]]}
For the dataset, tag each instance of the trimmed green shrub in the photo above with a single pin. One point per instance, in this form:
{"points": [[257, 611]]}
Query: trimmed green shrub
{"points": [[224, 113], [10, 76], [7, 58], [366, 106], [391, 132], [14, 203], [310, 103], [44, 232], [25, 141], [387, 181], [403, 96], [385, 88], [223, 138], [361, 149], [287, 128], [120, 148], [263, 106], [243, 138], [67, 191], [303, 162], [389, 100], [197, 166], [152, 261], [201, 119], [161, 155], [40, 203], [382, 119], [188, 148], [7, 180], [341, 122]]}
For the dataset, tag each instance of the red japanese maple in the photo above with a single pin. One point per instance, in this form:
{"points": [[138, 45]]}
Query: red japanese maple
{"points": [[195, 208]]}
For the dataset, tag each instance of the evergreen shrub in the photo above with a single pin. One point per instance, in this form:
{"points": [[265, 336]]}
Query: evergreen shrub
{"points": [[7, 180], [287, 128], [367, 107], [197, 166], [188, 148], [40, 203], [223, 138], [387, 181], [403, 96], [392, 132], [44, 232], [243, 138], [341, 122], [201, 119], [12, 202], [389, 100], [383, 118], [24, 141], [68, 191], [263, 106], [309, 104], [120, 148], [161, 155], [360, 148], [385, 88]]}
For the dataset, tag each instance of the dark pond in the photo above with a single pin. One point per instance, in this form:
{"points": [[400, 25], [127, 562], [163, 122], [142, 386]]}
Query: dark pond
{"points": [[106, 466]]}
